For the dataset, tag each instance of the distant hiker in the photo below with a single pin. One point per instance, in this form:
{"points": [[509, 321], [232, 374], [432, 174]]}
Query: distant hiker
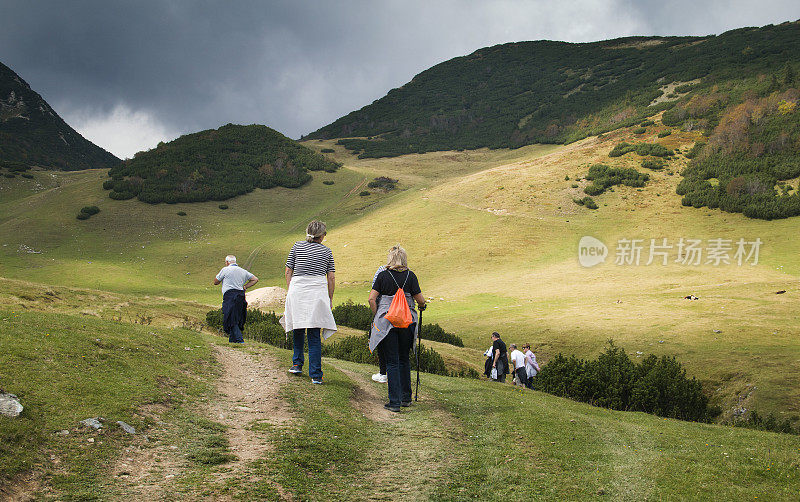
{"points": [[395, 341], [518, 360], [499, 357], [310, 281], [235, 281], [531, 368], [380, 376]]}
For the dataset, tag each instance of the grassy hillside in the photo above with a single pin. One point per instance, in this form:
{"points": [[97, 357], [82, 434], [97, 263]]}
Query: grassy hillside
{"points": [[464, 439], [493, 236], [215, 165], [32, 133], [554, 92]]}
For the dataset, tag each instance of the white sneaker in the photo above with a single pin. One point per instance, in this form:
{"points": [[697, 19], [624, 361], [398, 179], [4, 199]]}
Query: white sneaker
{"points": [[377, 377]]}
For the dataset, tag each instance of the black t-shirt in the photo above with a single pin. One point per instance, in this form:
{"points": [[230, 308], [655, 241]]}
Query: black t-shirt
{"points": [[501, 345], [385, 285]]}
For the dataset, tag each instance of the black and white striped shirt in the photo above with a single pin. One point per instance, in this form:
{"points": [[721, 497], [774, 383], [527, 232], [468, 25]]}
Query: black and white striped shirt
{"points": [[310, 258]]}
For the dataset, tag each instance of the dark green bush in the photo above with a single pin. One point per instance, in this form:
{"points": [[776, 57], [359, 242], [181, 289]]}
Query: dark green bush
{"points": [[223, 206], [640, 130], [181, 213], [327, 182], [695, 150], [82, 216], [438, 334], [9, 175], [656, 385], [643, 149], [327, 150], [770, 423], [604, 177], [647, 123], [363, 193], [654, 164], [353, 315], [665, 133], [90, 210], [589, 203], [383, 182], [27, 176]]}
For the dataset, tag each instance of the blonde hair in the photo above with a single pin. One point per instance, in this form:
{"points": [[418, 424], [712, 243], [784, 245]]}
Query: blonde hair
{"points": [[315, 230], [398, 259]]}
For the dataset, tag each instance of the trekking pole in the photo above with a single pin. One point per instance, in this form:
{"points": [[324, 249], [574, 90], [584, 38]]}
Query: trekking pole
{"points": [[419, 334]]}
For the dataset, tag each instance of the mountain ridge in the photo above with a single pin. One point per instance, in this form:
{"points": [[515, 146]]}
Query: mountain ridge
{"points": [[518, 93], [33, 134]]}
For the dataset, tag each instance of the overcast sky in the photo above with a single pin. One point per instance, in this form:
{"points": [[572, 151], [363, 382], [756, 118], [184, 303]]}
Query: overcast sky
{"points": [[130, 74]]}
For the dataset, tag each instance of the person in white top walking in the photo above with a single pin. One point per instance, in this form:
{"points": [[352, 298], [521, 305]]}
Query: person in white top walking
{"points": [[531, 367], [518, 360], [311, 280], [235, 281]]}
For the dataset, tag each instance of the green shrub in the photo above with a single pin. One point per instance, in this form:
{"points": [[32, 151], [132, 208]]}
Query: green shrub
{"points": [[438, 334], [647, 123], [327, 150], [566, 178], [692, 153], [90, 210], [684, 88], [656, 385], [353, 315], [589, 203], [9, 175], [640, 130], [181, 213], [574, 185], [603, 177], [665, 133], [383, 182], [643, 149], [327, 182], [654, 164], [223, 206], [27, 176], [769, 423], [82, 216], [363, 193]]}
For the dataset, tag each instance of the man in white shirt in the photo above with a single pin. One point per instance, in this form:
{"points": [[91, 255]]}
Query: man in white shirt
{"points": [[518, 361], [235, 281]]}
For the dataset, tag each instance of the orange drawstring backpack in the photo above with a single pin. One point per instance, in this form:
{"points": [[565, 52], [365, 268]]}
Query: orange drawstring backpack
{"points": [[399, 314]]}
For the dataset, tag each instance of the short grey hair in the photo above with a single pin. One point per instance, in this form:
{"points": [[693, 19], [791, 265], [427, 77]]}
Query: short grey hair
{"points": [[230, 258], [513, 345], [315, 230]]}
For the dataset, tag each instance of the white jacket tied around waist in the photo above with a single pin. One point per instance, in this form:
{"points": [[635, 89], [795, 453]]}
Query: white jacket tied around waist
{"points": [[308, 305]]}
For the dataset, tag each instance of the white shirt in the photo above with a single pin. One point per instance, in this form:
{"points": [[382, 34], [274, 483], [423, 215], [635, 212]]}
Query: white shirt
{"points": [[233, 277], [518, 358]]}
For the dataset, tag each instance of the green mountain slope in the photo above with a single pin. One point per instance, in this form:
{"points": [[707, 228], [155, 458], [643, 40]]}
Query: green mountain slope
{"points": [[554, 92], [216, 165], [33, 134]]}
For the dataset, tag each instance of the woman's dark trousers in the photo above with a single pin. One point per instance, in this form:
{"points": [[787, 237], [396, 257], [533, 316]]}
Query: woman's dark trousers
{"points": [[381, 360], [396, 346]]}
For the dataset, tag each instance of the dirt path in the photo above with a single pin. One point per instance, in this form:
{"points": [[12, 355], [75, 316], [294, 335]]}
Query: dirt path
{"points": [[414, 456], [247, 393]]}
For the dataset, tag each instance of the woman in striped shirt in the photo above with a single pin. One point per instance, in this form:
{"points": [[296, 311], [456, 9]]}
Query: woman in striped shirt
{"points": [[310, 280]]}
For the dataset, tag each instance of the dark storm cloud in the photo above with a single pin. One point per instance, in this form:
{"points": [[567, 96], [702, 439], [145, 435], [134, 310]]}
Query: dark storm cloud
{"points": [[128, 74]]}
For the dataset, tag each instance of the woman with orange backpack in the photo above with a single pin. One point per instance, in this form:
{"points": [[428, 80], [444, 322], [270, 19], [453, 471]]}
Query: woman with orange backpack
{"points": [[395, 325]]}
